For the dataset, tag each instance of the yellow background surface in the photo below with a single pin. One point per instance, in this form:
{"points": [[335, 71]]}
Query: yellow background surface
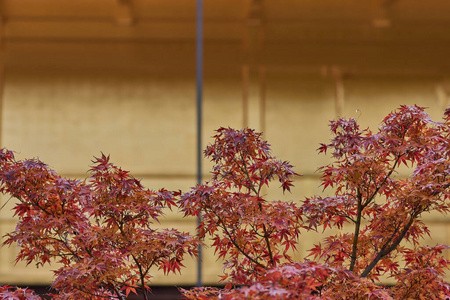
{"points": [[78, 78]]}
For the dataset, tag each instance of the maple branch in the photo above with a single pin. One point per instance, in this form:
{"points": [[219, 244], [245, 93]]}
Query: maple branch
{"points": [[71, 253], [142, 274], [245, 171], [252, 187], [142, 277], [385, 249], [231, 238], [369, 199], [357, 229], [266, 238], [361, 207], [118, 293]]}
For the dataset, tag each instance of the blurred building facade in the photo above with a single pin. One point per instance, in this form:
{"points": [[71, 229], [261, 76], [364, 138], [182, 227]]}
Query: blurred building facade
{"points": [[119, 76]]}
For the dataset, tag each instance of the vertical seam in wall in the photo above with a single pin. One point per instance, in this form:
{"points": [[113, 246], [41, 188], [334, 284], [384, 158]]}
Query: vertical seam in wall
{"points": [[340, 95], [447, 235], [442, 94], [262, 98], [245, 91]]}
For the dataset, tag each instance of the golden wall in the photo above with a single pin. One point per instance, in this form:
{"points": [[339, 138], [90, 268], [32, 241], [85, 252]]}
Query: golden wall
{"points": [[77, 80], [147, 123]]}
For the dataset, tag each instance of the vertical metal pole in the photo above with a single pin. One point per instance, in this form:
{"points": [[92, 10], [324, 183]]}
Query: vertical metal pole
{"points": [[2, 84], [199, 79], [2, 71], [339, 90]]}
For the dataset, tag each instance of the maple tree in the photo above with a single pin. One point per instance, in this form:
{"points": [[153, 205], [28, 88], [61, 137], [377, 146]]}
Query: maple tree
{"points": [[384, 208], [100, 230], [233, 210]]}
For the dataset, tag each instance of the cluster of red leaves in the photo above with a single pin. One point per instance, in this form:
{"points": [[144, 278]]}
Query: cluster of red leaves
{"points": [[13, 293], [286, 281], [385, 209], [250, 233], [344, 284], [98, 231], [425, 267], [300, 280]]}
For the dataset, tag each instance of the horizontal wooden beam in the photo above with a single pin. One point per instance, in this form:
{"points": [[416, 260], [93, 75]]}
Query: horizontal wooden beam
{"points": [[226, 56], [176, 29]]}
